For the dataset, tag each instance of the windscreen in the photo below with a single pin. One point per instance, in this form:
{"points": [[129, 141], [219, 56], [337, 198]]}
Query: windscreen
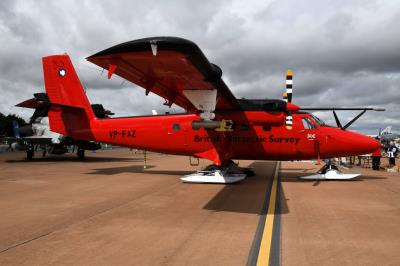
{"points": [[319, 121]]}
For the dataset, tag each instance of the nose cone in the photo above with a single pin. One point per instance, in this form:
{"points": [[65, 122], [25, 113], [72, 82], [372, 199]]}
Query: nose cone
{"points": [[340, 143], [363, 144]]}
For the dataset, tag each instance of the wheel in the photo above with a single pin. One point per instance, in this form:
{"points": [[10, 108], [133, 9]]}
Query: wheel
{"points": [[30, 152], [81, 153]]}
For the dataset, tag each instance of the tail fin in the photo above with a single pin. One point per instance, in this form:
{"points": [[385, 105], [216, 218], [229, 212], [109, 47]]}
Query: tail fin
{"points": [[70, 112]]}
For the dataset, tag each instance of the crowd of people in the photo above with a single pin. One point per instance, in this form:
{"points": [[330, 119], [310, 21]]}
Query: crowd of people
{"points": [[391, 151]]}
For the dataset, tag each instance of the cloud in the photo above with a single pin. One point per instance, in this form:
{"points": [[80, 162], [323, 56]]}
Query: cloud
{"points": [[343, 53]]}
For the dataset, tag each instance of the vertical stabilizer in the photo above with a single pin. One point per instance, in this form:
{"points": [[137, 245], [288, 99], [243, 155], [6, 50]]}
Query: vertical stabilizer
{"points": [[70, 112]]}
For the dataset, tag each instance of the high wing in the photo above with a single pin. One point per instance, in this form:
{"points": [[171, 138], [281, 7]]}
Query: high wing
{"points": [[32, 139], [39, 100], [38, 140], [167, 66]]}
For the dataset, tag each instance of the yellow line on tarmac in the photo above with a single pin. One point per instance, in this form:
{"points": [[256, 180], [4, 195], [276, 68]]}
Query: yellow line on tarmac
{"points": [[265, 246]]}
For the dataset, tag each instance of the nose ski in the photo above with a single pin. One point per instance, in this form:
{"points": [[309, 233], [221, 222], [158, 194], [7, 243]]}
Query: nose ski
{"points": [[329, 172]]}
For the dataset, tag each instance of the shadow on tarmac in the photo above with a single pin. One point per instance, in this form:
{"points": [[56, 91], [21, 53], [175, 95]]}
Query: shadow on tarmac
{"points": [[63, 158], [137, 169], [120, 170], [251, 195]]}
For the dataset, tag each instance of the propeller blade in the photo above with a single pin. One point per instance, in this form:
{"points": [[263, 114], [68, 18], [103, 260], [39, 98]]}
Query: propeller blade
{"points": [[289, 85], [342, 109], [287, 97], [289, 121]]}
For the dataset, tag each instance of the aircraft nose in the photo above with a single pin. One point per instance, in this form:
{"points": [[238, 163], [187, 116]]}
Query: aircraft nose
{"points": [[363, 144], [340, 143]]}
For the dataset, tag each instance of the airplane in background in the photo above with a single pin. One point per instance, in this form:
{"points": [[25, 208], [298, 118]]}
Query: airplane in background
{"points": [[216, 126], [38, 134], [386, 135]]}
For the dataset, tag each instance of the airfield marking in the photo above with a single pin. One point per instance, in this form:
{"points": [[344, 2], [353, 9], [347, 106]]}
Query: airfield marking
{"points": [[266, 241]]}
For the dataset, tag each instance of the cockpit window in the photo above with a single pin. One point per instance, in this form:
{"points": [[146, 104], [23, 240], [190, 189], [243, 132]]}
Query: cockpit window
{"points": [[317, 120], [307, 123]]}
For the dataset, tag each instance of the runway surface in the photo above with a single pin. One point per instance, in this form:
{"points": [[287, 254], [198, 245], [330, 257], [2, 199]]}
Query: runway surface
{"points": [[108, 210], [355, 222]]}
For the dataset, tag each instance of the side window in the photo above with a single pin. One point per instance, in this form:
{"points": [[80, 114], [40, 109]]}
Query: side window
{"points": [[307, 124], [176, 127], [244, 127], [266, 128]]}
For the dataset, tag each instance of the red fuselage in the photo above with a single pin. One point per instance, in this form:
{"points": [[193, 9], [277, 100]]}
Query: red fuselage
{"points": [[250, 139], [246, 129]]}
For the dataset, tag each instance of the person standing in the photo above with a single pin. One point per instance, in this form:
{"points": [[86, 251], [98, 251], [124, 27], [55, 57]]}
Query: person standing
{"points": [[392, 152], [376, 159]]}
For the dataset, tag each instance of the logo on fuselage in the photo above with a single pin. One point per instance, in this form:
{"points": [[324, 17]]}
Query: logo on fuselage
{"points": [[246, 139], [311, 136], [62, 72]]}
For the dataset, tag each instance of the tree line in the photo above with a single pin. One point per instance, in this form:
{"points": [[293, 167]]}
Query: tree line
{"points": [[6, 124]]}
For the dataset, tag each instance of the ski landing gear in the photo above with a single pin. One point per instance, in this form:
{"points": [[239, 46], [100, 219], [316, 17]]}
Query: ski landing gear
{"points": [[81, 153], [230, 173], [329, 172]]}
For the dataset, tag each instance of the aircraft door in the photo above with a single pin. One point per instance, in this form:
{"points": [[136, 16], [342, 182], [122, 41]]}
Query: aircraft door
{"points": [[178, 134], [311, 137]]}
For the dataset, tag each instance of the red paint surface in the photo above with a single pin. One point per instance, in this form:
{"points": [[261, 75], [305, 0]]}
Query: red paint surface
{"points": [[257, 135]]}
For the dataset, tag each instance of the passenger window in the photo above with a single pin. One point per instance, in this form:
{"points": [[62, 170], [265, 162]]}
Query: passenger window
{"points": [[266, 128], [176, 127], [244, 127]]}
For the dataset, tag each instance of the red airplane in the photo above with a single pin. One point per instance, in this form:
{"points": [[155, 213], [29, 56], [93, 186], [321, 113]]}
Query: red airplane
{"points": [[216, 126]]}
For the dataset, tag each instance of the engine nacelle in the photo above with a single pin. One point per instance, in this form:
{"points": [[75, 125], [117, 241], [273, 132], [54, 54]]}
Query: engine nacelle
{"points": [[258, 118], [207, 124]]}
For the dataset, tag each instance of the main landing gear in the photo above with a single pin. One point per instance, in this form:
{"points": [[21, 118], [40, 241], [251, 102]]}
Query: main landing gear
{"points": [[329, 172], [228, 173], [81, 153]]}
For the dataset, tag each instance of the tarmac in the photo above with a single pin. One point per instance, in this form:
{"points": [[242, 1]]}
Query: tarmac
{"points": [[108, 210]]}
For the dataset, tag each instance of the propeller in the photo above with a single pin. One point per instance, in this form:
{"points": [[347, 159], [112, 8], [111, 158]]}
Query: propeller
{"points": [[287, 97], [290, 108]]}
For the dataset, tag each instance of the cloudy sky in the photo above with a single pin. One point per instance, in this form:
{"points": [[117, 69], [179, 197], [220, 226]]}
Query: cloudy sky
{"points": [[343, 53]]}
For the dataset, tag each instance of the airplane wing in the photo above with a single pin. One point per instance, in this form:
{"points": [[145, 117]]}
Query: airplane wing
{"points": [[38, 140], [9, 139], [32, 139], [166, 66], [31, 103], [40, 99]]}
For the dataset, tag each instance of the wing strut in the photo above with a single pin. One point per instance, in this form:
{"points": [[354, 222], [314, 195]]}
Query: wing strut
{"points": [[363, 110]]}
